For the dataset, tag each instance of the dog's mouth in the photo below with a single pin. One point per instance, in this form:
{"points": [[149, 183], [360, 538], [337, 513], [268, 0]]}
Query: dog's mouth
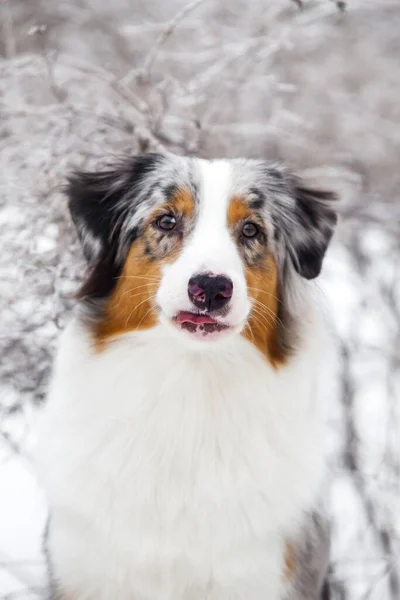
{"points": [[200, 324]]}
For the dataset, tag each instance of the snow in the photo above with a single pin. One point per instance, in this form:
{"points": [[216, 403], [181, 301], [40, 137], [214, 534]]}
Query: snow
{"points": [[317, 88]]}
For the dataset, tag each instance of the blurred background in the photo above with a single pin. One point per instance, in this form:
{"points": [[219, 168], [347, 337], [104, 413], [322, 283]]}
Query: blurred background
{"points": [[314, 84]]}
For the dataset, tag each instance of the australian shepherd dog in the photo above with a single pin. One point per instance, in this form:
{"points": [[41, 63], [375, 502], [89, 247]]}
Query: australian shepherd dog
{"points": [[181, 447]]}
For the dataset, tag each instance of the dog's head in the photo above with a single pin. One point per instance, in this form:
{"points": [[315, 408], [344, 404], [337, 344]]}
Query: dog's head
{"points": [[204, 248]]}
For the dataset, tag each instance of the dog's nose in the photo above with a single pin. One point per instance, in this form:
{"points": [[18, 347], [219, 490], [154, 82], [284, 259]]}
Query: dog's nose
{"points": [[210, 292]]}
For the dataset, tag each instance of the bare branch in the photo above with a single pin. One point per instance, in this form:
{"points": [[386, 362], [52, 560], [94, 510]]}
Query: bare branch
{"points": [[8, 28], [168, 31]]}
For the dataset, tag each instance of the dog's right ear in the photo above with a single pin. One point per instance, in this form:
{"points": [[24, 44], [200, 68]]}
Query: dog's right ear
{"points": [[102, 206], [98, 202]]}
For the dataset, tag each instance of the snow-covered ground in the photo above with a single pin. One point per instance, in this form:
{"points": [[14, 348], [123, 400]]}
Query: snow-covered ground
{"points": [[81, 81]]}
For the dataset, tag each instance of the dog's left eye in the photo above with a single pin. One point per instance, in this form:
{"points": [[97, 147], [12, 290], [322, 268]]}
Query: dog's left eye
{"points": [[166, 222], [250, 230]]}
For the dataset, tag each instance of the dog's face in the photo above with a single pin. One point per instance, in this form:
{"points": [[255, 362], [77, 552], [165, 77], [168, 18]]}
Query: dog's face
{"points": [[203, 248]]}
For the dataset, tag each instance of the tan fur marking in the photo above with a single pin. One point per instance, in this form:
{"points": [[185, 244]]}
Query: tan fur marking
{"points": [[237, 211], [131, 305], [262, 327], [290, 562], [182, 202]]}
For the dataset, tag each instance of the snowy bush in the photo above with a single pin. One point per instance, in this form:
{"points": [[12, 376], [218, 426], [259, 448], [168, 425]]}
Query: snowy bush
{"points": [[314, 84]]}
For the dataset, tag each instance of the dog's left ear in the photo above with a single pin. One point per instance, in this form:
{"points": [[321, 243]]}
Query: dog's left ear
{"points": [[307, 225]]}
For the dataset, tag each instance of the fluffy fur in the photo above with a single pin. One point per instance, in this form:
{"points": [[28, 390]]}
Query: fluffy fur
{"points": [[181, 463]]}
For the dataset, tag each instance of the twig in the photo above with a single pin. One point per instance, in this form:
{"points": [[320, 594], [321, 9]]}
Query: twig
{"points": [[8, 30], [168, 31], [341, 4], [351, 459]]}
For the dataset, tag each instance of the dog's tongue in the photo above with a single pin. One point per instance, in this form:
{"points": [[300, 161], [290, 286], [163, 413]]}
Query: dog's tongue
{"points": [[188, 317]]}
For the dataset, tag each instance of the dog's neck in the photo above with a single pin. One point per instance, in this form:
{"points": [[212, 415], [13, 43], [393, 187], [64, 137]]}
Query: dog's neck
{"points": [[159, 356]]}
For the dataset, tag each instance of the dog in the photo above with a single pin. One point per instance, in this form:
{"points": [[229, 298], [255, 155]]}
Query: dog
{"points": [[182, 445]]}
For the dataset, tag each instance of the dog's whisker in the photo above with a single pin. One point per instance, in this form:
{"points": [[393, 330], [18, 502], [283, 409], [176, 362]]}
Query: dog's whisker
{"points": [[149, 278], [261, 324], [265, 322], [248, 326], [265, 310], [274, 317], [138, 306], [137, 287], [265, 315], [264, 292], [142, 293], [268, 311], [144, 316]]}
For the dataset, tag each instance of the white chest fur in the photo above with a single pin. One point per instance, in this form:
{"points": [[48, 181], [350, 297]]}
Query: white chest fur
{"points": [[176, 475]]}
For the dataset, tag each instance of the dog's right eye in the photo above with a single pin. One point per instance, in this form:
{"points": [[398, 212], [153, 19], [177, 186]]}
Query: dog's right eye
{"points": [[166, 222]]}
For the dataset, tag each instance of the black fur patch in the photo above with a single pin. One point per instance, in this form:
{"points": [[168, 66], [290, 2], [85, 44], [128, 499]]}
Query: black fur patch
{"points": [[170, 190], [317, 219], [258, 200], [307, 221], [100, 204]]}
